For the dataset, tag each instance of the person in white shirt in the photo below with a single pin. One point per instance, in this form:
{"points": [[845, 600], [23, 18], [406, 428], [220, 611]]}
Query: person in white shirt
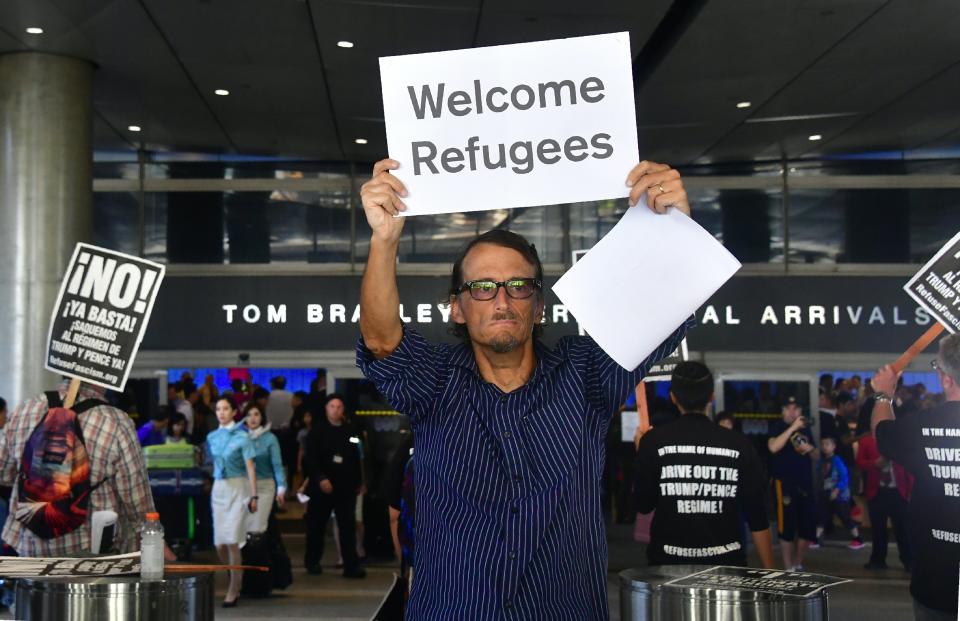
{"points": [[279, 407]]}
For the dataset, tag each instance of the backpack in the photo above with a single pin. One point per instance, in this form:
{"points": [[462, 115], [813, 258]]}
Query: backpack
{"points": [[53, 491]]}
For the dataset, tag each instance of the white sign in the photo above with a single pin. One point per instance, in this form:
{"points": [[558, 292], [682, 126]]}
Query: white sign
{"points": [[101, 315], [629, 421], [642, 280], [512, 125]]}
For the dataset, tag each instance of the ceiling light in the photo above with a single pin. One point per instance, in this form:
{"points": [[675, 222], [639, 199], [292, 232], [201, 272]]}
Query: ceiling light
{"points": [[346, 44], [815, 137], [133, 128], [222, 92], [361, 141], [34, 30], [744, 104]]}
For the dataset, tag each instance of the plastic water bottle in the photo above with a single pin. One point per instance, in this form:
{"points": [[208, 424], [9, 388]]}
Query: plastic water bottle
{"points": [[151, 548]]}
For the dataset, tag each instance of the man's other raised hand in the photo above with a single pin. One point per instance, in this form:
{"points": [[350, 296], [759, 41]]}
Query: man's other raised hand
{"points": [[661, 185], [381, 201]]}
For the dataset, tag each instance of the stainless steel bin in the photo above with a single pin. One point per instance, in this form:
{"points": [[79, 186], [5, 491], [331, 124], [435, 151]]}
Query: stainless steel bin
{"points": [[643, 597], [116, 598]]}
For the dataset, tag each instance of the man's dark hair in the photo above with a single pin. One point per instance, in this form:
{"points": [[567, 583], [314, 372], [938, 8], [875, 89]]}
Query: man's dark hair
{"points": [[692, 386], [722, 416], [261, 393], [842, 398], [332, 396], [188, 389], [279, 382], [164, 412], [504, 239], [3, 404]]}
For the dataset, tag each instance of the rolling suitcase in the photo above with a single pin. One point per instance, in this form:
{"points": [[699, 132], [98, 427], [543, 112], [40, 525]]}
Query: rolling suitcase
{"points": [[256, 552]]}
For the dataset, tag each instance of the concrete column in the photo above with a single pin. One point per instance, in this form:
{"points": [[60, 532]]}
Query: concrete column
{"points": [[46, 203]]}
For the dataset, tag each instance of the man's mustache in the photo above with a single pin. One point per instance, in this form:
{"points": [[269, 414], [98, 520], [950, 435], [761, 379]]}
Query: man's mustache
{"points": [[504, 316]]}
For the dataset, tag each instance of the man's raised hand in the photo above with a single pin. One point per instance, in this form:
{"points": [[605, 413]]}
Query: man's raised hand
{"points": [[381, 201], [661, 185]]}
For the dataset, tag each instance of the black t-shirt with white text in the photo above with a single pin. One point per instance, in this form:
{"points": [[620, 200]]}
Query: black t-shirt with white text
{"points": [[791, 468], [700, 478], [928, 445]]}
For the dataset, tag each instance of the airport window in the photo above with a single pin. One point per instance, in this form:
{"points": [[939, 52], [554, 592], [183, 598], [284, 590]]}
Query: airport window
{"points": [[241, 212], [871, 225], [116, 222]]}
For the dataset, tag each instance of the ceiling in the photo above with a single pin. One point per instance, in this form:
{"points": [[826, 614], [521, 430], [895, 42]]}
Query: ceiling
{"points": [[867, 75]]}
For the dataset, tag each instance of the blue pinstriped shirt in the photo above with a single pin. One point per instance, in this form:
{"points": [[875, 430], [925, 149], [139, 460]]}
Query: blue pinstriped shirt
{"points": [[509, 524]]}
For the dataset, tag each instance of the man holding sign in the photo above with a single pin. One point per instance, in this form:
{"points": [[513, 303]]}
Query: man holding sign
{"points": [[928, 445], [509, 434]]}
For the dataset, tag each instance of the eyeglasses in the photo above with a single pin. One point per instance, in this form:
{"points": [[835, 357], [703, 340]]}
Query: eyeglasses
{"points": [[485, 290]]}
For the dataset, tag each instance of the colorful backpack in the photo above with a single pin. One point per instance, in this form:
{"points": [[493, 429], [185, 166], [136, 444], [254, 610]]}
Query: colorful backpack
{"points": [[54, 482]]}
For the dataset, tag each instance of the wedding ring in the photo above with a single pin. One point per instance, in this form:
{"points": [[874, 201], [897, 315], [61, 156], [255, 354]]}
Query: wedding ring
{"points": [[662, 191]]}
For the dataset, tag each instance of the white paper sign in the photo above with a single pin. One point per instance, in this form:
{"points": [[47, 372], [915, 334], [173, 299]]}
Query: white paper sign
{"points": [[512, 125], [101, 315], [629, 421], [642, 280]]}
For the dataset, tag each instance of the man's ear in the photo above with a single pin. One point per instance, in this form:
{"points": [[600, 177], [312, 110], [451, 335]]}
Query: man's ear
{"points": [[456, 313], [947, 382], [538, 314]]}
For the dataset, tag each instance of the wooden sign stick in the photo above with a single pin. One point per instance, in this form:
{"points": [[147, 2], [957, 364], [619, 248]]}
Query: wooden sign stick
{"points": [[918, 346], [642, 410], [72, 393], [196, 568]]}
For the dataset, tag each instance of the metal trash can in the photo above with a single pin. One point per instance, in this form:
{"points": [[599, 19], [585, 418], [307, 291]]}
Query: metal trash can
{"points": [[644, 597], [116, 598]]}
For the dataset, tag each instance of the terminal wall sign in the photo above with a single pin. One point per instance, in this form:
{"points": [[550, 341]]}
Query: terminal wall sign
{"points": [[936, 287], [773, 581], [101, 315], [750, 313], [512, 125]]}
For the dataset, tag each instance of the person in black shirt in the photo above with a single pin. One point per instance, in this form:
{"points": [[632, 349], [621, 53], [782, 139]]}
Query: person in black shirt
{"points": [[791, 451], [927, 444], [333, 470], [700, 478]]}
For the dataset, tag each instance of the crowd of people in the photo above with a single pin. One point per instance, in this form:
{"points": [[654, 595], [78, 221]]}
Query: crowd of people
{"points": [[262, 449], [256, 449]]}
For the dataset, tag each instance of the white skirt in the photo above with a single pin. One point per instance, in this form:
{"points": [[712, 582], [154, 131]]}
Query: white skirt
{"points": [[228, 502], [256, 522]]}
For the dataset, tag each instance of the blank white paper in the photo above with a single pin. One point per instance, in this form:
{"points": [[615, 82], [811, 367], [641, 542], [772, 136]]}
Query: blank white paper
{"points": [[642, 280]]}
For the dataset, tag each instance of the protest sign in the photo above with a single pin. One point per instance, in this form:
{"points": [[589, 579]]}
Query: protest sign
{"points": [[773, 581], [512, 125], [101, 314], [28, 567], [936, 287]]}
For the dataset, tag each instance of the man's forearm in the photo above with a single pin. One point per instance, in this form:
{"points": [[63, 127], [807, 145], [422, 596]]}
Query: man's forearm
{"points": [[380, 300], [882, 410], [775, 445], [763, 541]]}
